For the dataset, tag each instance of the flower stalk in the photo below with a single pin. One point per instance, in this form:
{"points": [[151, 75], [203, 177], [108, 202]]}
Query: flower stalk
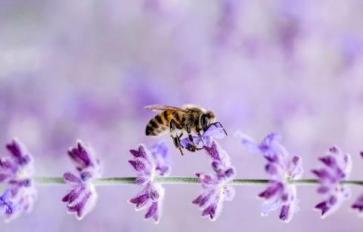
{"points": [[48, 180]]}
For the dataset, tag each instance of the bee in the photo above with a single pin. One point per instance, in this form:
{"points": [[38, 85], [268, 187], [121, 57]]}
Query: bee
{"points": [[189, 119]]}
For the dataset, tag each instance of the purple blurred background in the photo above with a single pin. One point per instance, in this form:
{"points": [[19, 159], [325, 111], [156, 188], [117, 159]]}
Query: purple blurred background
{"points": [[85, 69]]}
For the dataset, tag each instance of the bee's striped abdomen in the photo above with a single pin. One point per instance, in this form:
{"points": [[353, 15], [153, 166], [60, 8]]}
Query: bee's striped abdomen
{"points": [[158, 124]]}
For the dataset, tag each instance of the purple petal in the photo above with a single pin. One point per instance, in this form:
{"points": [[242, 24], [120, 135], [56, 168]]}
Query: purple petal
{"points": [[229, 173], [154, 193], [137, 164], [323, 189], [86, 175], [271, 169], [202, 199], [248, 142], [153, 211], [160, 150], [271, 191], [141, 180], [140, 200], [6, 164], [163, 170], [358, 204], [69, 177], [334, 149], [329, 161], [213, 151], [80, 208], [204, 179], [80, 155], [217, 166], [18, 152], [73, 194], [323, 207], [215, 131], [140, 152], [210, 211], [321, 174], [6, 202], [3, 177], [285, 213]]}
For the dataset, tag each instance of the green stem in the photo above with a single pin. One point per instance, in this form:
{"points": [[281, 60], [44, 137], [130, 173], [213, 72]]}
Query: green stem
{"points": [[181, 180]]}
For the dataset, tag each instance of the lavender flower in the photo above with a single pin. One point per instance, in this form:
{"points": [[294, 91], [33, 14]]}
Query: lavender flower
{"points": [[82, 197], [149, 164], [358, 204], [215, 187], [282, 168], [215, 131], [16, 172], [336, 168]]}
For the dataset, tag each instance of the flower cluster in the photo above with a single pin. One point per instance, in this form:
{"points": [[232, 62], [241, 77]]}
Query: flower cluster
{"points": [[282, 169], [16, 171], [82, 197], [216, 131], [336, 168], [215, 187], [149, 164]]}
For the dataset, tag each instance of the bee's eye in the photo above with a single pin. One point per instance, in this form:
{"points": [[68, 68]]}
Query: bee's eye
{"points": [[204, 121]]}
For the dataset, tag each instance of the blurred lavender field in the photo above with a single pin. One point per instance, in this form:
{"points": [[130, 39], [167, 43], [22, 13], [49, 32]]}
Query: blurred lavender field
{"points": [[85, 69]]}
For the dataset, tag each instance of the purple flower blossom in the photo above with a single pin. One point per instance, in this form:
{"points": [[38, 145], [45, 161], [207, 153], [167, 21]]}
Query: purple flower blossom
{"points": [[358, 204], [336, 168], [215, 187], [149, 164], [16, 172], [215, 131], [82, 197], [282, 168]]}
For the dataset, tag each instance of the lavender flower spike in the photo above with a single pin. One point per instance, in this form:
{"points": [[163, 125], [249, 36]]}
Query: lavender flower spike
{"points": [[336, 168], [215, 188], [16, 172], [358, 204], [82, 197], [149, 164], [282, 168]]}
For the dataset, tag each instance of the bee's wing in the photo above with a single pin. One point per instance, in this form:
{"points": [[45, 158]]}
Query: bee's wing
{"points": [[163, 107], [192, 106]]}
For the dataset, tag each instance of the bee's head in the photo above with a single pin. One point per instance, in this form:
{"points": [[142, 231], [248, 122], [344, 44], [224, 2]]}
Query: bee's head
{"points": [[207, 119]]}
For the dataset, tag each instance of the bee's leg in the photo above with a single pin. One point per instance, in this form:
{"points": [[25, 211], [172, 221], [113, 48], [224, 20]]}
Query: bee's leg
{"points": [[201, 139], [174, 126], [193, 148], [189, 131], [177, 144], [191, 138], [176, 138], [180, 135]]}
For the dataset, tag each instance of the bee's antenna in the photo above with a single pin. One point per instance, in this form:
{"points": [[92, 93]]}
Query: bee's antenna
{"points": [[220, 124]]}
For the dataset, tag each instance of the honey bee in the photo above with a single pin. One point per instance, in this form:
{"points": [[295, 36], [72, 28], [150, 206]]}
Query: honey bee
{"points": [[189, 118]]}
